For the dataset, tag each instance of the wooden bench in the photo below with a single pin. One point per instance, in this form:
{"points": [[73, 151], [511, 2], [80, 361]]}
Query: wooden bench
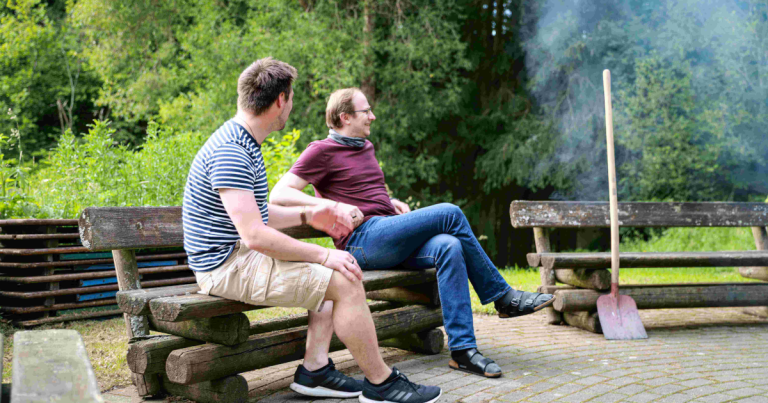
{"points": [[52, 366], [585, 274], [209, 340]]}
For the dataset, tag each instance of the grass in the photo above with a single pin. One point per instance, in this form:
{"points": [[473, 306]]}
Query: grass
{"points": [[106, 340]]}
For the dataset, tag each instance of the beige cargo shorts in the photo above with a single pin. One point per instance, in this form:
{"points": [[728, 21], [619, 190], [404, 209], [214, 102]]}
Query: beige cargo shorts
{"points": [[251, 277]]}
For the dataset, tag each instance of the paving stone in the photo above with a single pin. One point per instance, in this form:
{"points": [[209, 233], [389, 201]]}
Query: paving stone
{"points": [[591, 380], [643, 397], [632, 389], [743, 392], [714, 398], [623, 381], [703, 355], [696, 382], [754, 399], [477, 398], [667, 389], [516, 396]]}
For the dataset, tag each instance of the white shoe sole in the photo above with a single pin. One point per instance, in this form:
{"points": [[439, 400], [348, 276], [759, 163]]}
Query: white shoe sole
{"points": [[364, 399], [321, 391]]}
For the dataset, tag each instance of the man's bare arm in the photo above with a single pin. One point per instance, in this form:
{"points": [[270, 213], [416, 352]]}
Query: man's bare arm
{"points": [[288, 192], [242, 208]]}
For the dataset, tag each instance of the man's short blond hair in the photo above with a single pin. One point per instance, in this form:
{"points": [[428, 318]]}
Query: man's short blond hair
{"points": [[261, 84], [339, 102]]}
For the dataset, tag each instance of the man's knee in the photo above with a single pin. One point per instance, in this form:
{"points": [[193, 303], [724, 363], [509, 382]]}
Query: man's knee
{"points": [[448, 244], [340, 288], [450, 208]]}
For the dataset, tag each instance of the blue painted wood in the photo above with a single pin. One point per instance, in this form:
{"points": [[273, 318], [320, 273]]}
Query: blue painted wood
{"points": [[98, 295], [83, 256], [98, 281]]}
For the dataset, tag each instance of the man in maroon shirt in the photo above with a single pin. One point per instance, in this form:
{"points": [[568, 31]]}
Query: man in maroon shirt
{"points": [[343, 170]]}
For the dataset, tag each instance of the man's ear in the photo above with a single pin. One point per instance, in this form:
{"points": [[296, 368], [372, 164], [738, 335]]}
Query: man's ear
{"points": [[281, 100]]}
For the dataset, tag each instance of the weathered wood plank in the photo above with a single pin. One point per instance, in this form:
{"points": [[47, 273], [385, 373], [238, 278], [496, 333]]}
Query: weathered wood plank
{"points": [[136, 302], [428, 342], [662, 296], [599, 279], [193, 364], [426, 294], [589, 321], [108, 228], [148, 355], [52, 365], [229, 330], [128, 278], [655, 259], [553, 214], [232, 389], [541, 239], [761, 243], [196, 306]]}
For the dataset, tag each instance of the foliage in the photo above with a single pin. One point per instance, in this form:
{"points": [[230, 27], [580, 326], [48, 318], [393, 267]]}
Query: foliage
{"points": [[42, 76], [97, 171], [479, 102]]}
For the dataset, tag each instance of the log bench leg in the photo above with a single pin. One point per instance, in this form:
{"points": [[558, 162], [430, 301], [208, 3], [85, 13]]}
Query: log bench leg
{"points": [[541, 238], [589, 321], [232, 389], [761, 273], [429, 342]]}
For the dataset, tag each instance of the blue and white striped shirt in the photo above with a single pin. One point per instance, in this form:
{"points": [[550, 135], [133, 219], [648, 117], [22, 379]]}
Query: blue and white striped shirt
{"points": [[231, 158]]}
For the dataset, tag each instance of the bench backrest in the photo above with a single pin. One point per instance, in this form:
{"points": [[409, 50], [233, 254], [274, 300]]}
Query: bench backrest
{"points": [[111, 228], [556, 214]]}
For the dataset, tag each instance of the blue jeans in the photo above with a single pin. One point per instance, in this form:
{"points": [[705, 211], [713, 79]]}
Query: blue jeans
{"points": [[437, 236]]}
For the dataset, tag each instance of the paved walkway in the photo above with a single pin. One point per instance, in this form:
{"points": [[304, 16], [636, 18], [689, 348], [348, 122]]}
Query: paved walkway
{"points": [[692, 355]]}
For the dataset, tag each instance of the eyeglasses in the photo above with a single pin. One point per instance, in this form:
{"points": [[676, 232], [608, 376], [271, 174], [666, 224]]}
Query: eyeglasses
{"points": [[366, 111]]}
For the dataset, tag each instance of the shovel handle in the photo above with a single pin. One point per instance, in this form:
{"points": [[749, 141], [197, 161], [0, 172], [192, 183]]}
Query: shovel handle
{"points": [[612, 184]]}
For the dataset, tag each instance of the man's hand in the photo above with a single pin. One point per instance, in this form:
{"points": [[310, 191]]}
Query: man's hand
{"points": [[352, 212], [330, 220], [344, 263], [400, 207]]}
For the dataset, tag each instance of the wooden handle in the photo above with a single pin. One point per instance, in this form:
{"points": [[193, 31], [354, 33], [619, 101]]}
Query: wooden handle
{"points": [[612, 184]]}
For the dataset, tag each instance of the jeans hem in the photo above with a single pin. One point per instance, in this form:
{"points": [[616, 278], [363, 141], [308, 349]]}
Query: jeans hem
{"points": [[497, 296], [463, 347]]}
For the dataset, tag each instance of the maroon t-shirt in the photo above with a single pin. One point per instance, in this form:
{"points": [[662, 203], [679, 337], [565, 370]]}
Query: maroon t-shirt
{"points": [[345, 174]]}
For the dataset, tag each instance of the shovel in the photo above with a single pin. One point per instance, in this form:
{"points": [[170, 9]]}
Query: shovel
{"points": [[618, 313]]}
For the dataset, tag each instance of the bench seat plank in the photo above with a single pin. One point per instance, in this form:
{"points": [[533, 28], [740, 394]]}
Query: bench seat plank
{"points": [[52, 366], [196, 306], [629, 260], [194, 364], [554, 214], [664, 296]]}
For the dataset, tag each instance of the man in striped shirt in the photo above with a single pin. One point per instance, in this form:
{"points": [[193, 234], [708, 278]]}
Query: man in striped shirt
{"points": [[236, 251]]}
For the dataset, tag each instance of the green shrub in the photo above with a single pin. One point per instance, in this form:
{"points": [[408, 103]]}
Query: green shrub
{"points": [[95, 171]]}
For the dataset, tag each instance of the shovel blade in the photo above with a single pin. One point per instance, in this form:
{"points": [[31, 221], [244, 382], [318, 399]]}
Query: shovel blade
{"points": [[619, 318]]}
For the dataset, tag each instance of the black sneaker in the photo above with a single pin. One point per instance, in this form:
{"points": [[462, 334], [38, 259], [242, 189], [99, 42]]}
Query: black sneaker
{"points": [[325, 382], [398, 389]]}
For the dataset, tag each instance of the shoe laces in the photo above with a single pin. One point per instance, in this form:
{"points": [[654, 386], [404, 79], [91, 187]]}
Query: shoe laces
{"points": [[401, 376]]}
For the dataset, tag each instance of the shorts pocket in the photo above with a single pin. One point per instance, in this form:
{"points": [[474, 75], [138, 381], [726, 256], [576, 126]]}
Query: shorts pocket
{"points": [[205, 281], [258, 276]]}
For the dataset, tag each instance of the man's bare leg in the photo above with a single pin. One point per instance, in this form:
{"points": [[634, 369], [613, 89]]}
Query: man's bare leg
{"points": [[353, 323], [319, 335]]}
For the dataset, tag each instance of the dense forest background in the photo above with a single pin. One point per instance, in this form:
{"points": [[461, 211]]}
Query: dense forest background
{"points": [[479, 102]]}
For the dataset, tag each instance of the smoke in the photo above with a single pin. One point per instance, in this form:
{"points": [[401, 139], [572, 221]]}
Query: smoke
{"points": [[703, 66]]}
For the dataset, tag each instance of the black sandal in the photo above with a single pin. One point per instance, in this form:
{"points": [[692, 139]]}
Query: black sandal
{"points": [[473, 362], [524, 303]]}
